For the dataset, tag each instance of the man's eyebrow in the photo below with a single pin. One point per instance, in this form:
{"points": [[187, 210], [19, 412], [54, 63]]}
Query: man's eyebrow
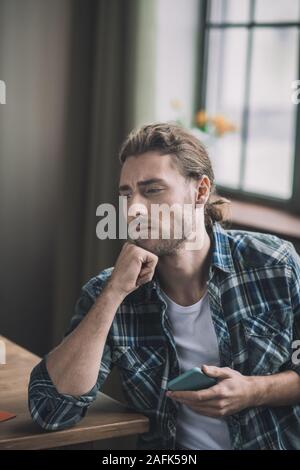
{"points": [[125, 187]]}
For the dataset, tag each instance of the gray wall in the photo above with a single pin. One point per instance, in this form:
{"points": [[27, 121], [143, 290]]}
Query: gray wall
{"points": [[34, 46]]}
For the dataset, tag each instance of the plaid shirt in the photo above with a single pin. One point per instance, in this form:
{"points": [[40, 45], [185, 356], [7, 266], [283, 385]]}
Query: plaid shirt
{"points": [[254, 295]]}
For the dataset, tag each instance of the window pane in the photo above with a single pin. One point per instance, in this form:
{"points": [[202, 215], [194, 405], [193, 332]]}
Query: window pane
{"points": [[165, 78], [225, 95], [270, 150], [277, 10], [233, 11]]}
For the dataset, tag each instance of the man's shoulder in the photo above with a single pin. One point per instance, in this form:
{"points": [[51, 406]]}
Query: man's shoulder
{"points": [[95, 284], [251, 248]]}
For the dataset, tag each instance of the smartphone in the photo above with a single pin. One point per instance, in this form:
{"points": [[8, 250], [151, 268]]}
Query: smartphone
{"points": [[193, 379]]}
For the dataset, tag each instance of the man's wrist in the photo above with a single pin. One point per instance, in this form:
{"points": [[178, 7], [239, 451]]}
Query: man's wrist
{"points": [[260, 390], [114, 292], [105, 308]]}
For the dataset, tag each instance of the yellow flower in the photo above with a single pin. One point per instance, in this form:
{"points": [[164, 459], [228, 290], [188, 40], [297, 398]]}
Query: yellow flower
{"points": [[217, 124], [201, 118], [222, 125]]}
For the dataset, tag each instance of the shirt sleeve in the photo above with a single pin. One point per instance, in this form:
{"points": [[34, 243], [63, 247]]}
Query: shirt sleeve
{"points": [[294, 283], [53, 410]]}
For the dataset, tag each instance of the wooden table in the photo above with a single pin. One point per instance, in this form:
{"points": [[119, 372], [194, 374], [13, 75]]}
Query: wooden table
{"points": [[105, 419]]}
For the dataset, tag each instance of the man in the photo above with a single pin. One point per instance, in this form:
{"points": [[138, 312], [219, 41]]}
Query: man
{"points": [[231, 306]]}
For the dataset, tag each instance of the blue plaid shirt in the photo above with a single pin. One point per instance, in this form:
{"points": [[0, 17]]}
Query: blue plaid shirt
{"points": [[254, 296]]}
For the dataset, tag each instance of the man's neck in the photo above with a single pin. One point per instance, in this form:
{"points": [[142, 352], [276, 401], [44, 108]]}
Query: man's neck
{"points": [[183, 276]]}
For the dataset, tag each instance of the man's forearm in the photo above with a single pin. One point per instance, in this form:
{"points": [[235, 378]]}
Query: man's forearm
{"points": [[276, 390], [74, 364]]}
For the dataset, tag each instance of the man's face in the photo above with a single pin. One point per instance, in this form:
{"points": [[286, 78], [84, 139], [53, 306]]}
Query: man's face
{"points": [[153, 179]]}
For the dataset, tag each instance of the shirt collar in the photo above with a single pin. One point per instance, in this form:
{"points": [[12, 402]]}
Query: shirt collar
{"points": [[221, 250]]}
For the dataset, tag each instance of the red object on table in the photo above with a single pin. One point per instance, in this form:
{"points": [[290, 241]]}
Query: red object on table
{"points": [[5, 415]]}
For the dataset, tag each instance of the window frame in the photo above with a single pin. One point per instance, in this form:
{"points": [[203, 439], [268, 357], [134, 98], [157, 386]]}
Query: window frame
{"points": [[293, 203]]}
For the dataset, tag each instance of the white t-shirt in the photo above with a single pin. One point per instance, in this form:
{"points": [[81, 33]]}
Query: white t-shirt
{"points": [[196, 344]]}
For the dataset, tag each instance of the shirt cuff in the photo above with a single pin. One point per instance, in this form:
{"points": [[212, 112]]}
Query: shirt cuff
{"points": [[41, 384]]}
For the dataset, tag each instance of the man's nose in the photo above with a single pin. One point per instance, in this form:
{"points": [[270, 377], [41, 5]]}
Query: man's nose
{"points": [[136, 209]]}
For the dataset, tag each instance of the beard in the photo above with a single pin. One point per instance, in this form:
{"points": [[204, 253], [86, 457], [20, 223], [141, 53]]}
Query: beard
{"points": [[160, 247], [167, 246]]}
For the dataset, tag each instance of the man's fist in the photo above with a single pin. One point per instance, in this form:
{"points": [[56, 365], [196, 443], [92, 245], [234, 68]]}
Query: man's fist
{"points": [[134, 266]]}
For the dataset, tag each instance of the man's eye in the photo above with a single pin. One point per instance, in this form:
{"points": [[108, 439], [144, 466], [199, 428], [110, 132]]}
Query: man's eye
{"points": [[153, 190]]}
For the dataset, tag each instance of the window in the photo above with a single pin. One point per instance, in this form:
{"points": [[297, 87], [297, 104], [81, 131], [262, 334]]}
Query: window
{"points": [[250, 57]]}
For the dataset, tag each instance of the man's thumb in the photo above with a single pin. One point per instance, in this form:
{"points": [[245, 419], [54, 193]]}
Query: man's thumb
{"points": [[217, 372]]}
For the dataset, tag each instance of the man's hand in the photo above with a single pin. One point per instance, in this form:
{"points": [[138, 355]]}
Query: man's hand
{"points": [[134, 266], [231, 394]]}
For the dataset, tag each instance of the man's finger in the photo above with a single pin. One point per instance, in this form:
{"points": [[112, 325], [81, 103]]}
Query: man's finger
{"points": [[146, 270], [198, 395], [148, 257], [206, 408], [217, 372]]}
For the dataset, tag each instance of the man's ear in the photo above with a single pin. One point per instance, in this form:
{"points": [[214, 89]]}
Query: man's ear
{"points": [[203, 190]]}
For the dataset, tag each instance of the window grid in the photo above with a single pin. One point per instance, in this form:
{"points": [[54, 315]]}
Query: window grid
{"points": [[205, 26]]}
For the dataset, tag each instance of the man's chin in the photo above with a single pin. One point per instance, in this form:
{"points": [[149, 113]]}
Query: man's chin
{"points": [[159, 247], [148, 244]]}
